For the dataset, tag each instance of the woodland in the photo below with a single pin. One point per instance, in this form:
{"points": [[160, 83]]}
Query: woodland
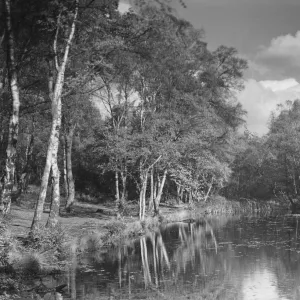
{"points": [[131, 106]]}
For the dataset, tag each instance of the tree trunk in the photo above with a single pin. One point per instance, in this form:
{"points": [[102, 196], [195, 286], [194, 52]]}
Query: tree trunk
{"points": [[11, 153], [124, 182], [151, 200], [160, 191], [55, 96], [143, 190], [208, 192], [55, 199], [70, 178], [27, 169], [117, 195], [66, 185], [51, 157]]}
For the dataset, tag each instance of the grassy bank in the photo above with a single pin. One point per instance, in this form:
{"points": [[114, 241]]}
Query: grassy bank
{"points": [[89, 228]]}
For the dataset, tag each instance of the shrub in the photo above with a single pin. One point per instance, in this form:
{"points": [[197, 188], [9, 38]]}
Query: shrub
{"points": [[115, 227], [44, 239], [91, 242]]}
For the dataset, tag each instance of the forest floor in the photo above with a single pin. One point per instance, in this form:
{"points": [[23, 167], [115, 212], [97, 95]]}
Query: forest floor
{"points": [[84, 216]]}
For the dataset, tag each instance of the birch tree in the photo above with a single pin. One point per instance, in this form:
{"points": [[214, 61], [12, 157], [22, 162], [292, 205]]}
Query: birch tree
{"points": [[10, 157], [56, 81]]}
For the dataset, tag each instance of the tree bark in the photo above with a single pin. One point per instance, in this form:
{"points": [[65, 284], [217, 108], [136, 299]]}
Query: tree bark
{"points": [[160, 191], [70, 178], [151, 205], [11, 152], [117, 195], [66, 186], [27, 169], [51, 157], [55, 199], [143, 190], [209, 189], [55, 96], [124, 182]]}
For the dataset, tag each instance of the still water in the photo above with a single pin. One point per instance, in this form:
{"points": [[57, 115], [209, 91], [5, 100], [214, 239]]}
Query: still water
{"points": [[222, 258]]}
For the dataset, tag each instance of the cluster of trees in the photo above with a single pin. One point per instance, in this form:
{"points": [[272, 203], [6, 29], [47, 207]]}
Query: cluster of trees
{"points": [[133, 103], [268, 166]]}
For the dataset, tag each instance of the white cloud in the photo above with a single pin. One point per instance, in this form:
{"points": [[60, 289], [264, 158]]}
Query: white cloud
{"points": [[279, 85], [260, 98], [282, 50]]}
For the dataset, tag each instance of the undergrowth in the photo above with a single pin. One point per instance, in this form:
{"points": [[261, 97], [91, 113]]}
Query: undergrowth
{"points": [[45, 251]]}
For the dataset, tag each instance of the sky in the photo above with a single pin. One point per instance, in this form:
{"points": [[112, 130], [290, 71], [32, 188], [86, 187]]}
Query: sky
{"points": [[267, 34]]}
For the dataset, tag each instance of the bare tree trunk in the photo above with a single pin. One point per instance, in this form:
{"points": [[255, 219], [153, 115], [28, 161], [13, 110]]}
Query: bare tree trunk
{"points": [[151, 205], [51, 154], [179, 194], [55, 95], [209, 189], [66, 185], [27, 169], [190, 197], [143, 190], [117, 195], [55, 201], [70, 178], [160, 191], [11, 153], [124, 183]]}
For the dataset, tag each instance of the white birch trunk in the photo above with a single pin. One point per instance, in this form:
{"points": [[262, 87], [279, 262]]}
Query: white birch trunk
{"points": [[56, 124], [55, 201], [160, 191], [11, 152]]}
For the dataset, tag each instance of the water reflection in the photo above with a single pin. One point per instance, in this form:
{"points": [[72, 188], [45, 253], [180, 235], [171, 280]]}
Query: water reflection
{"points": [[224, 258]]}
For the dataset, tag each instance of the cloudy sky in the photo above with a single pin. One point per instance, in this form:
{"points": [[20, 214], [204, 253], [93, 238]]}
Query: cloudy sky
{"points": [[267, 34]]}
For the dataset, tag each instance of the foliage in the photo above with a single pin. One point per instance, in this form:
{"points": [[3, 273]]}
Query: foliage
{"points": [[147, 98], [268, 167]]}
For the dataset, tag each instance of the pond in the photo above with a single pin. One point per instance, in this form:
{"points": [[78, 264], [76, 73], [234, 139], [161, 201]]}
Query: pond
{"points": [[213, 258]]}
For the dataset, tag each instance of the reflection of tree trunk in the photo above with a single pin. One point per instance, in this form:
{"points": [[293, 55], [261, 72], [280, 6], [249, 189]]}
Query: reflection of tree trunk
{"points": [[120, 267], [154, 258], [208, 227], [72, 271], [145, 264], [163, 250], [13, 129]]}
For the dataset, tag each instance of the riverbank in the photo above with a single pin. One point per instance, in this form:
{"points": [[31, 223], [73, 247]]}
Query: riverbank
{"points": [[89, 228], [87, 217]]}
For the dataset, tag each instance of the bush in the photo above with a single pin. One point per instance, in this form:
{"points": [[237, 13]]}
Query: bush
{"points": [[45, 239], [115, 227], [92, 242]]}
